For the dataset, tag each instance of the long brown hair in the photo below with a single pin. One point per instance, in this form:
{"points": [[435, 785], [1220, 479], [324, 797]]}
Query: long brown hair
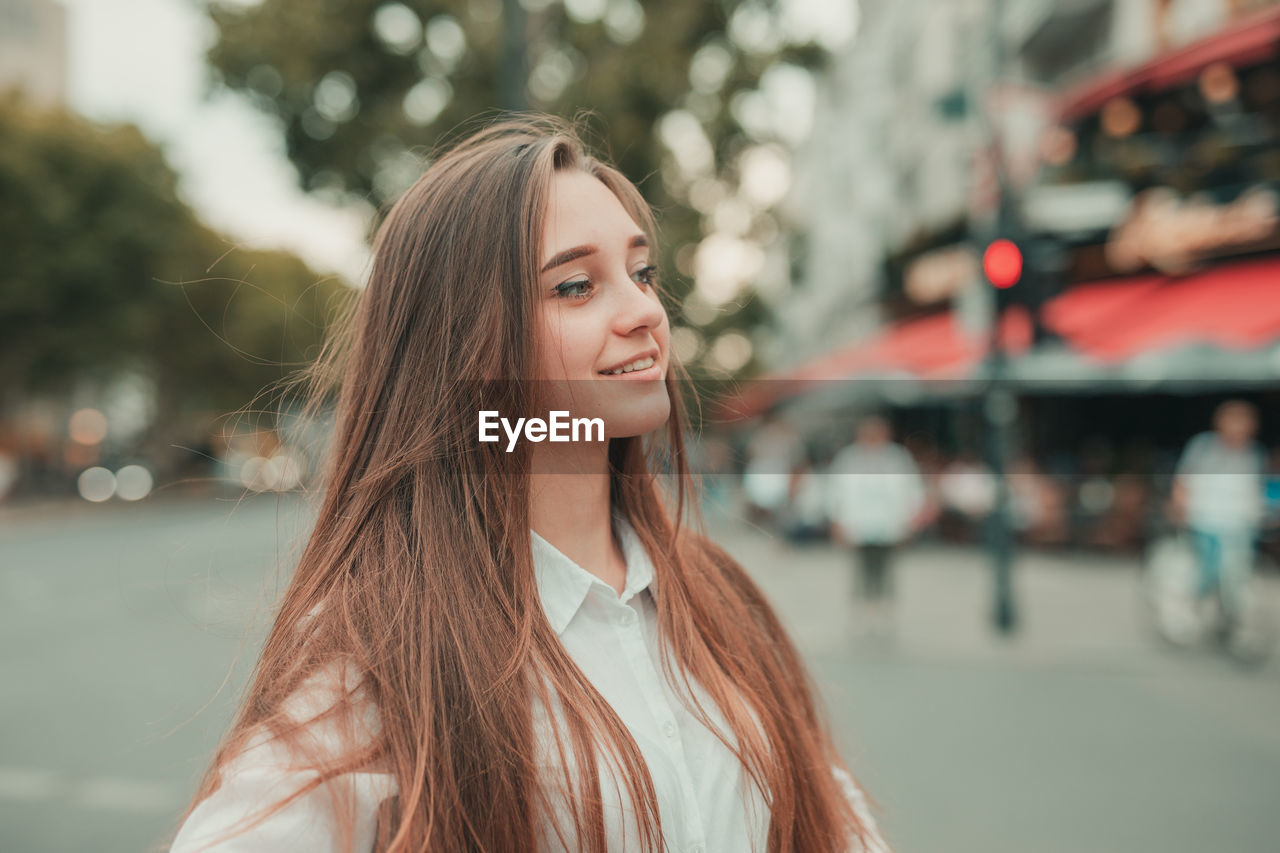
{"points": [[418, 576]]}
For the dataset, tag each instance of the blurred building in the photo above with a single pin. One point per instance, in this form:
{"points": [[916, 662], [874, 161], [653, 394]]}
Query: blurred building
{"points": [[33, 49], [896, 173], [1158, 193], [889, 159], [1105, 120], [1130, 149]]}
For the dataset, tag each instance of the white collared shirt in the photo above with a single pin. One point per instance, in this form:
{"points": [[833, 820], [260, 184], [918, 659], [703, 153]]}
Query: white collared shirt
{"points": [[705, 798]]}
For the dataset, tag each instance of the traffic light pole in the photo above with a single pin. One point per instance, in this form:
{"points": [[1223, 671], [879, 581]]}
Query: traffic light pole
{"points": [[1000, 409], [999, 405]]}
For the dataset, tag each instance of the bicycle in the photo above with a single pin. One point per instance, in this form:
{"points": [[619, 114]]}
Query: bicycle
{"points": [[1184, 619]]}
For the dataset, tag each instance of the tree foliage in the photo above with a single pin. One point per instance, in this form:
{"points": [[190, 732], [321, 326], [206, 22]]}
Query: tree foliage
{"points": [[365, 90], [108, 270]]}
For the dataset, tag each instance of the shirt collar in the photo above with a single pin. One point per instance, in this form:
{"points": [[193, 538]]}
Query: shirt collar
{"points": [[563, 584]]}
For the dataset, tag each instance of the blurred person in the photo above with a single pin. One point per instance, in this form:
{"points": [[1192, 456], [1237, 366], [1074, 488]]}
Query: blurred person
{"points": [[1218, 496], [493, 648], [1094, 491], [805, 518], [967, 495], [875, 501], [1039, 512], [930, 463], [1123, 525], [772, 453], [1024, 494], [712, 459]]}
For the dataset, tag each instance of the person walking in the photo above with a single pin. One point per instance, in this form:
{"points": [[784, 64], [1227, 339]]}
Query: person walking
{"points": [[772, 454], [519, 646], [875, 498]]}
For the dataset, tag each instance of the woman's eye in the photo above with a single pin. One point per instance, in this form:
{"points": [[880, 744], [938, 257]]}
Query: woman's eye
{"points": [[576, 289], [646, 275]]}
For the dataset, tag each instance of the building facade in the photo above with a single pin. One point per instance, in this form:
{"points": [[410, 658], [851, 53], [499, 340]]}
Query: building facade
{"points": [[898, 182]]}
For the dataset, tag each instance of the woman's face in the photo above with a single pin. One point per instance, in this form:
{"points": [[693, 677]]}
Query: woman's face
{"points": [[599, 311]]}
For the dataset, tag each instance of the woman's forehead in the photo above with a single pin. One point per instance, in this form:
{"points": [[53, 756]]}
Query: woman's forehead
{"points": [[581, 210]]}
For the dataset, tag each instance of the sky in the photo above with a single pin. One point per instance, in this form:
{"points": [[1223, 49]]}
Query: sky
{"points": [[142, 61]]}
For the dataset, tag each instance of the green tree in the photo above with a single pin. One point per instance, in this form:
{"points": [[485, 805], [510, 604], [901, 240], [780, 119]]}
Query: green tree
{"points": [[362, 87], [107, 270], [88, 213]]}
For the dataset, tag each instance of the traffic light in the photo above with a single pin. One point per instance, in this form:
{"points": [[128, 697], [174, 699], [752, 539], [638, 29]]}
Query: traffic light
{"points": [[1002, 263]]}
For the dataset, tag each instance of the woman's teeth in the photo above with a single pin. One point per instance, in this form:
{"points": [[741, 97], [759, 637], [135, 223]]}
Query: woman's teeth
{"points": [[629, 368]]}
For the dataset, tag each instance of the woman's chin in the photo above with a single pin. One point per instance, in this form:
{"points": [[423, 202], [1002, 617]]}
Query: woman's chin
{"points": [[637, 417], [627, 407]]}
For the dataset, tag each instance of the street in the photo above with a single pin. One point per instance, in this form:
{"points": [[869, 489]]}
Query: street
{"points": [[1080, 734], [120, 624]]}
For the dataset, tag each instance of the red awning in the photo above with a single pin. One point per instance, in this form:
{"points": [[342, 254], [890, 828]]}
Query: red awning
{"points": [[1232, 306], [930, 347], [1252, 39]]}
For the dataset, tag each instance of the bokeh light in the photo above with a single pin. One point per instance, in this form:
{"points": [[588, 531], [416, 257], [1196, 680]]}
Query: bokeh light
{"points": [[88, 426], [397, 27], [1058, 146], [1219, 84], [731, 351], [133, 482], [686, 343], [96, 484], [279, 472], [1120, 117]]}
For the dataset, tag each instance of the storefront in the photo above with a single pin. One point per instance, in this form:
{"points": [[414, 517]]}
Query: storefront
{"points": [[1150, 291]]}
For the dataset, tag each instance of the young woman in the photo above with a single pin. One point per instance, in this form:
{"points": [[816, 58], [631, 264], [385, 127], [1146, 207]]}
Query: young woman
{"points": [[514, 645]]}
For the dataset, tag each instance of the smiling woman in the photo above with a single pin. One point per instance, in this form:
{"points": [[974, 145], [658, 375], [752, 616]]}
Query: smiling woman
{"points": [[528, 650], [601, 315]]}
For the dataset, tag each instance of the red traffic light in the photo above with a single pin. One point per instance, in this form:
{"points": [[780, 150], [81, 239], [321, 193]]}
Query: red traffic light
{"points": [[1002, 263]]}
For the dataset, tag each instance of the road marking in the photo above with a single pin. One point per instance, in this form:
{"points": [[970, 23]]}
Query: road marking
{"points": [[21, 783], [27, 784], [126, 795]]}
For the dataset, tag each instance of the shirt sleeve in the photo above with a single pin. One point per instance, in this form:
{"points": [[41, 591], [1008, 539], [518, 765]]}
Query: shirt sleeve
{"points": [[262, 777], [267, 772], [1190, 461], [875, 843]]}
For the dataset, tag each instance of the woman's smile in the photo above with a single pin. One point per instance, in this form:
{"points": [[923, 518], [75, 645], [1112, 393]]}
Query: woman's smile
{"points": [[653, 371]]}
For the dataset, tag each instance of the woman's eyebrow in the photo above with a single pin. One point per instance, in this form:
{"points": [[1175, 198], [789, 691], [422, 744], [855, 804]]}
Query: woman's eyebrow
{"points": [[636, 242]]}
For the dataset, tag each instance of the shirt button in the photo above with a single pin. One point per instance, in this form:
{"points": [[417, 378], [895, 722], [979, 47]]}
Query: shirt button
{"points": [[697, 848], [669, 729], [627, 617]]}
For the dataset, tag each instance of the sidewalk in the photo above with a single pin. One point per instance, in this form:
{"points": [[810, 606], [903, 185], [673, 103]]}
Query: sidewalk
{"points": [[1073, 609], [1079, 732]]}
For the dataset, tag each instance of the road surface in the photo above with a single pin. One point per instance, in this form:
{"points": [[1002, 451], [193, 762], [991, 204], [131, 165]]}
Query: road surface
{"points": [[119, 626]]}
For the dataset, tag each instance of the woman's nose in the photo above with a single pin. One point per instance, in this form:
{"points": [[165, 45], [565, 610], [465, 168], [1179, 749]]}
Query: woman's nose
{"points": [[638, 307]]}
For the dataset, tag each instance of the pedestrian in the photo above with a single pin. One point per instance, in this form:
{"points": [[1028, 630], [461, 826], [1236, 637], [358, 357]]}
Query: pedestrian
{"points": [[1218, 496], [772, 454], [875, 498], [804, 516], [498, 648], [967, 494]]}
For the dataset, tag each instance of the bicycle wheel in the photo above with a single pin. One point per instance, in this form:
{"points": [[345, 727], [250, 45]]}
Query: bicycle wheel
{"points": [[1169, 576], [1252, 639]]}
